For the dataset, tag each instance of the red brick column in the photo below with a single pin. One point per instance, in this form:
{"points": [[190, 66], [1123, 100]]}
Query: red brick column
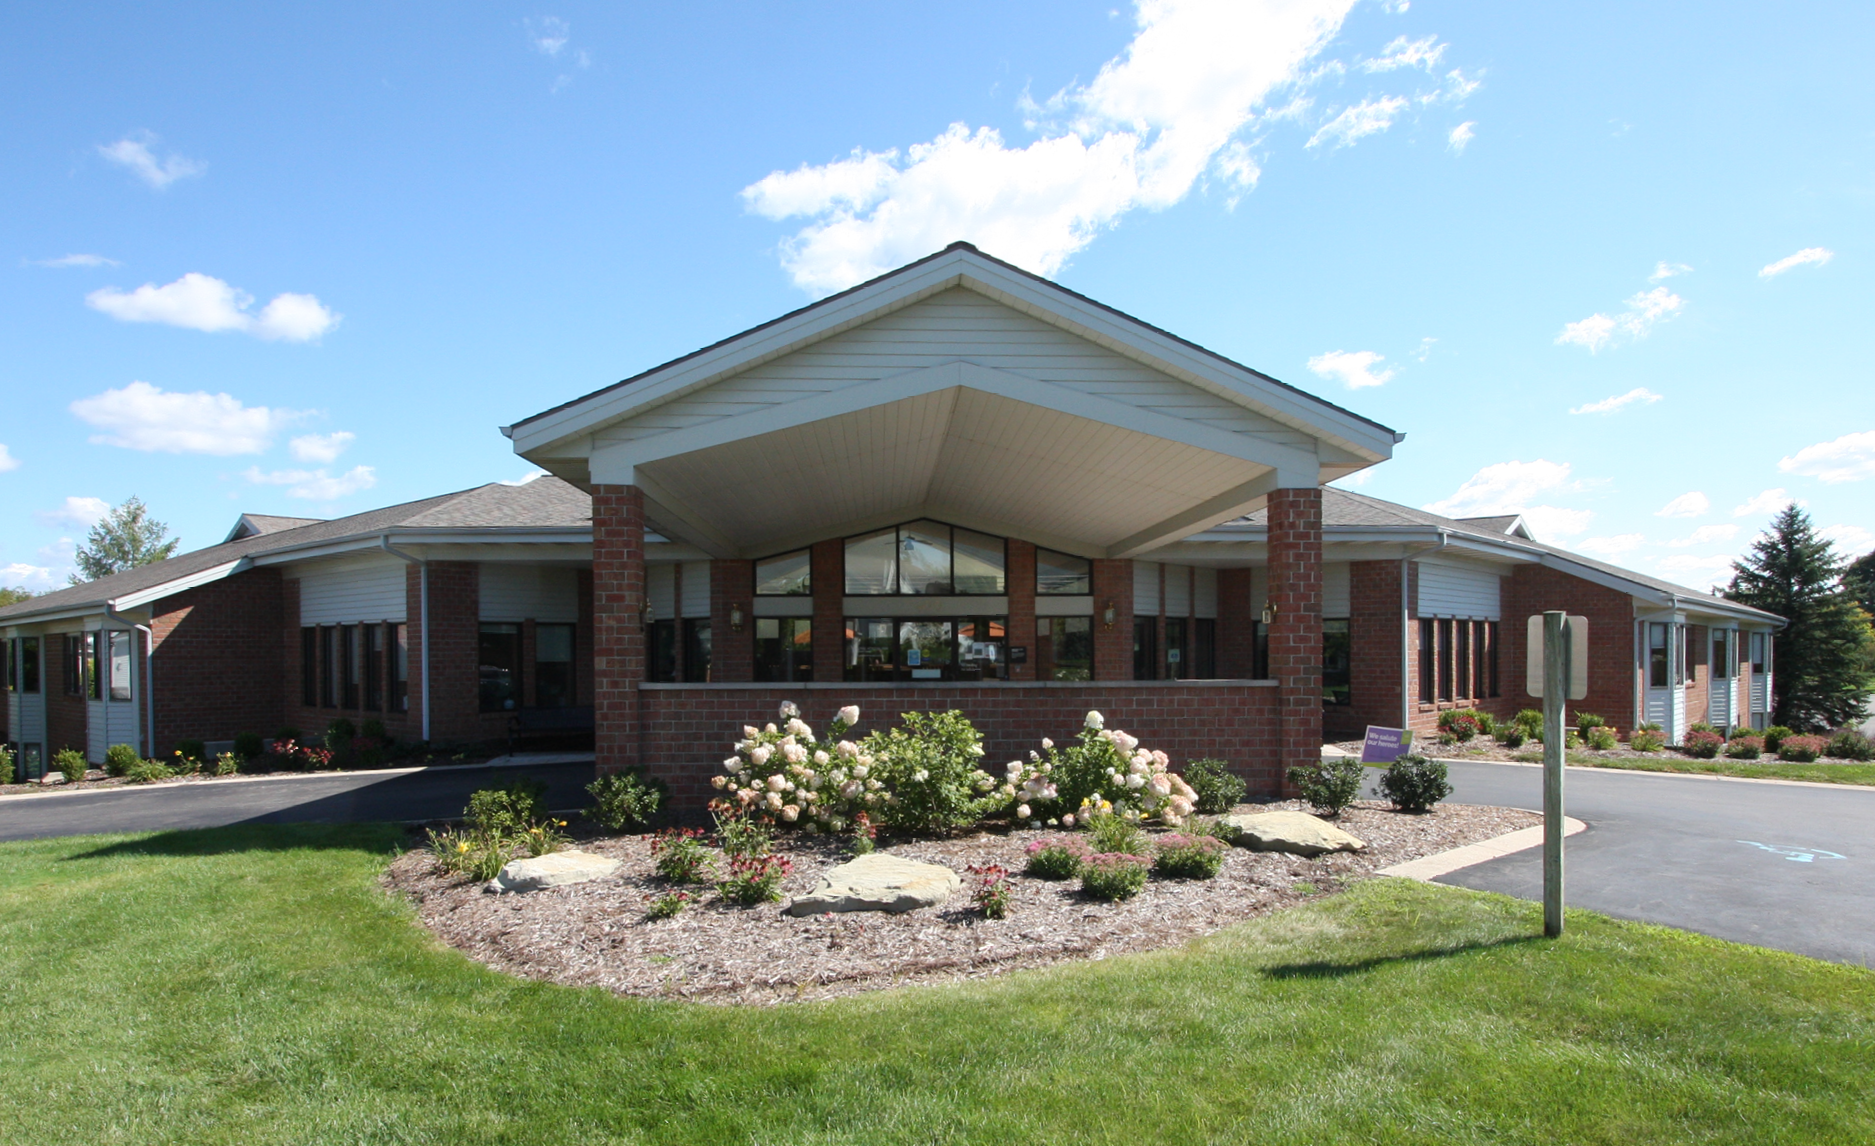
{"points": [[1295, 572], [455, 653], [732, 654], [1113, 646], [1020, 585], [828, 577], [618, 599], [1236, 628], [1374, 634]]}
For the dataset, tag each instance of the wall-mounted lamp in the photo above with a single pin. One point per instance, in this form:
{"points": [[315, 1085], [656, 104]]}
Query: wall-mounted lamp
{"points": [[1106, 615], [644, 614], [1269, 613], [735, 617]]}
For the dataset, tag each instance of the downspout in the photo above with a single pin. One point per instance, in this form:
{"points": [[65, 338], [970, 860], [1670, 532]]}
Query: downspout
{"points": [[149, 681], [1406, 628], [423, 621]]}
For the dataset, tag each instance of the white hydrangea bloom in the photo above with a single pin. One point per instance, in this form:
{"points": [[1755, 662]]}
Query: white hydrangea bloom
{"points": [[850, 715], [1096, 721]]}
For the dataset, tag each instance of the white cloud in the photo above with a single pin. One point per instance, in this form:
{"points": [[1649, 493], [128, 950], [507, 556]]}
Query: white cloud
{"points": [[1462, 135], [316, 485], [1509, 487], [1359, 121], [1686, 505], [1403, 53], [1644, 311], [1140, 134], [203, 302], [1770, 501], [549, 33], [23, 576], [145, 417], [77, 261], [1665, 270], [1425, 349], [1395, 7], [76, 512], [1612, 546], [321, 447], [1809, 256], [1639, 394], [1848, 458], [1355, 369], [133, 153], [525, 480], [1852, 540], [7, 460], [1706, 535], [1713, 570]]}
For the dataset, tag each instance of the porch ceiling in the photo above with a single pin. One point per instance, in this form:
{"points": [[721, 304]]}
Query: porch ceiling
{"points": [[961, 454]]}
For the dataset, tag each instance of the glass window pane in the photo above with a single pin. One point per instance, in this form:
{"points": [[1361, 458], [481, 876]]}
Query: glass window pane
{"points": [[925, 647], [784, 649], [1145, 648], [872, 563], [29, 664], [553, 643], [1337, 681], [120, 665], [1175, 667], [924, 558], [661, 652], [979, 564], [400, 668], [871, 649], [553, 666], [498, 663], [982, 648], [697, 650], [1062, 574], [784, 576], [1072, 641]]}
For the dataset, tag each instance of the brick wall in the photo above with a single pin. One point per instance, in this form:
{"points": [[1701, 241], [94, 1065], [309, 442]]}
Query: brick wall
{"points": [[1295, 593], [1374, 632], [1113, 644], [1021, 588], [1610, 612], [689, 730], [732, 653], [66, 719], [1236, 627], [212, 660], [1698, 674], [827, 579], [618, 578]]}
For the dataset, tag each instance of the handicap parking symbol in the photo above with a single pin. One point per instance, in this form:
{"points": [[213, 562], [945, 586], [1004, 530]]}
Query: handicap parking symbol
{"points": [[1797, 855]]}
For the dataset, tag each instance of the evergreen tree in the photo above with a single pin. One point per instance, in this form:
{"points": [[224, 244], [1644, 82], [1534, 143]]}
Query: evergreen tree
{"points": [[1820, 668], [1859, 578], [125, 539]]}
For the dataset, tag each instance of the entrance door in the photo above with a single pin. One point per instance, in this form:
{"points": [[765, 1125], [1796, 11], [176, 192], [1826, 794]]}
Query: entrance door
{"points": [[1666, 678], [1722, 707], [1760, 648]]}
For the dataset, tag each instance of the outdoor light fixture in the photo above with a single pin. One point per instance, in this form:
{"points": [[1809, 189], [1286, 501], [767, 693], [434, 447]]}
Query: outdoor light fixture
{"points": [[735, 617], [1269, 613], [1106, 615]]}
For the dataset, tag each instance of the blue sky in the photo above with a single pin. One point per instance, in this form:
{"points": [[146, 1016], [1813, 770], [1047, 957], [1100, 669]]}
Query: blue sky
{"points": [[305, 261]]}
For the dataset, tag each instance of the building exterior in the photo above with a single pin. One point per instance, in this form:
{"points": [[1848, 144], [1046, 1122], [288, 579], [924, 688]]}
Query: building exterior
{"points": [[956, 486]]}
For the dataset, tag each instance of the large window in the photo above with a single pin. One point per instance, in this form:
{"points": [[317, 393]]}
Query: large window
{"points": [[1260, 654], [400, 668], [29, 664], [1428, 654], [1721, 654], [1689, 671], [696, 637], [554, 683], [1337, 653], [788, 575], [661, 652], [784, 649], [925, 558], [1461, 659], [348, 666], [328, 667], [373, 642], [1145, 648], [1445, 660], [120, 664], [1060, 574], [902, 648], [498, 666], [1066, 649], [309, 666], [1177, 648], [94, 674]]}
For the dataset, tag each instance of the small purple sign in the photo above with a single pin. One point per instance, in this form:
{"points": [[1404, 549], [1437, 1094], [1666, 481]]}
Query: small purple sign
{"points": [[1385, 745]]}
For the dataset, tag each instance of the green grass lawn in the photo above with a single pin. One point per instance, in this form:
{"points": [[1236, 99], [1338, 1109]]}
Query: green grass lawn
{"points": [[252, 985], [1751, 769]]}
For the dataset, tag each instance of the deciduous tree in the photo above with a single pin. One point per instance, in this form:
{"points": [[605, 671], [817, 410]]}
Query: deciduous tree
{"points": [[126, 538]]}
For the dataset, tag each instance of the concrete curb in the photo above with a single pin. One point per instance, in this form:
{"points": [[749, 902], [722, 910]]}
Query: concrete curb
{"points": [[1669, 775], [301, 777], [1428, 868]]}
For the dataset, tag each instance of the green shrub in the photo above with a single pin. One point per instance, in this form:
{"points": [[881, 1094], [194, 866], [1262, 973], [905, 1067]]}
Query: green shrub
{"points": [[1189, 857], [1218, 788], [1702, 726], [488, 862], [754, 879], [1702, 745], [1850, 744], [1330, 785], [1511, 736], [929, 764], [1801, 749], [7, 775], [70, 762], [1603, 739], [1646, 740], [680, 857], [1745, 747], [992, 894], [452, 850], [1111, 832], [1774, 737], [508, 812], [1531, 721], [147, 771], [1415, 784], [668, 905], [118, 758], [340, 734], [743, 835], [1113, 876], [626, 801], [227, 764], [373, 729], [1586, 721], [1056, 857], [248, 745], [192, 750], [288, 733], [1463, 723]]}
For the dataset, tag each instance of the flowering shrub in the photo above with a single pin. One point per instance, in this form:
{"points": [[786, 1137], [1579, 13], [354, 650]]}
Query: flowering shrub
{"points": [[741, 834], [1110, 833], [1104, 771], [1056, 857], [754, 879], [1702, 745], [1113, 875], [928, 772], [1602, 739], [227, 764], [787, 775], [864, 835], [1745, 747], [1646, 740], [1801, 749], [1189, 857], [679, 855], [667, 905], [992, 893], [293, 756], [453, 851], [1462, 723], [544, 837]]}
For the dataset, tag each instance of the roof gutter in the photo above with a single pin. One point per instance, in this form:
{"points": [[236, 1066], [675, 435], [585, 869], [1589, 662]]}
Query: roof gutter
{"points": [[149, 682], [423, 622]]}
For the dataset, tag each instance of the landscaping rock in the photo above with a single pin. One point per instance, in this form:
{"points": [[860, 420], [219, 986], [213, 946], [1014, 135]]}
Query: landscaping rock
{"points": [[51, 778], [879, 882], [556, 869], [1295, 832]]}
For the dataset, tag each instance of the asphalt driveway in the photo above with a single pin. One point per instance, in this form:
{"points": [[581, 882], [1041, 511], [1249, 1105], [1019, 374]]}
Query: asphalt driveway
{"points": [[326, 798], [1779, 865]]}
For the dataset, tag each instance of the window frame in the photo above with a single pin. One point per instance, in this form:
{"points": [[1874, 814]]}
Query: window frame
{"points": [[112, 688], [1346, 632], [807, 581], [796, 666], [516, 696], [897, 576], [571, 686], [698, 649], [371, 650], [1042, 555], [397, 667]]}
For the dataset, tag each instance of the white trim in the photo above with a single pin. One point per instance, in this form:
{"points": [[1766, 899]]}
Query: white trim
{"points": [[1051, 605]]}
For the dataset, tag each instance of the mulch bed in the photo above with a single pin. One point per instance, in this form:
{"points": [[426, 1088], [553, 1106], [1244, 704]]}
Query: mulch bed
{"points": [[596, 933]]}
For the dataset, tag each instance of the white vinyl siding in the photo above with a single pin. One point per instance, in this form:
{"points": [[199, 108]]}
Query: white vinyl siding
{"points": [[26, 715], [661, 588], [1145, 588], [530, 592], [109, 722], [1453, 590], [696, 589], [1206, 590], [1335, 593], [351, 589], [1178, 590]]}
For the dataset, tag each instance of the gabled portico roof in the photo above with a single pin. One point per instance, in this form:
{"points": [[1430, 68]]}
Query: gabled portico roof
{"points": [[957, 387]]}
